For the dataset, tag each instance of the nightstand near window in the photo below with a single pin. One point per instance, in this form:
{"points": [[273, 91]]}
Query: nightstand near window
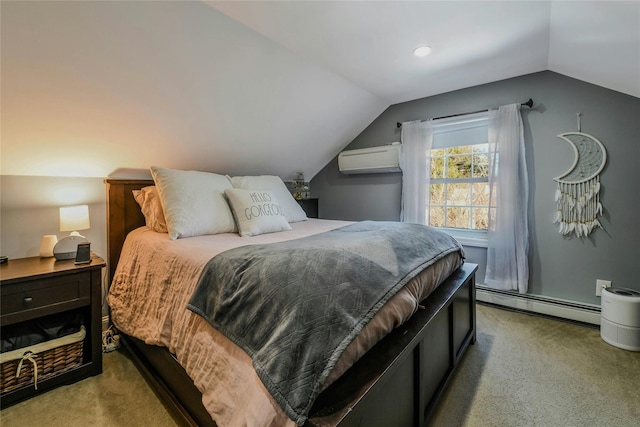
{"points": [[310, 207]]}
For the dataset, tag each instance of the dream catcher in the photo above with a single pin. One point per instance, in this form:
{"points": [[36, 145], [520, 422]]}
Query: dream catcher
{"points": [[578, 194]]}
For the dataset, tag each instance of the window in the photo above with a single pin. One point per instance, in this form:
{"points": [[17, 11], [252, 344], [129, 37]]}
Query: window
{"points": [[459, 187]]}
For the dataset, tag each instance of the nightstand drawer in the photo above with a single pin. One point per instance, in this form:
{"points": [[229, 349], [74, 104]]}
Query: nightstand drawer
{"points": [[31, 299]]}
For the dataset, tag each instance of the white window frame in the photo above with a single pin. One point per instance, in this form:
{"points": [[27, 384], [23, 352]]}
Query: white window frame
{"points": [[470, 129]]}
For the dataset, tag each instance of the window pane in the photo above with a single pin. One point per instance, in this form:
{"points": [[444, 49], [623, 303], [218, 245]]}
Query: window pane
{"points": [[459, 167], [436, 216], [462, 149], [437, 167], [480, 195], [458, 217], [481, 148], [437, 194], [455, 203], [480, 165], [459, 194], [480, 218]]}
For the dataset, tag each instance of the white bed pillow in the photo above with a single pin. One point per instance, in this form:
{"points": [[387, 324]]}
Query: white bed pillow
{"points": [[292, 210], [256, 211], [193, 202], [151, 207]]}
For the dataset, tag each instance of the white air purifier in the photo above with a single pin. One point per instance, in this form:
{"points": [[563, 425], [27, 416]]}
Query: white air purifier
{"points": [[620, 318]]}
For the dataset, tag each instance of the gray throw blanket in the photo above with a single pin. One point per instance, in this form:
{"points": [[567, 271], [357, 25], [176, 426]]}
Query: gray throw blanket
{"points": [[295, 306]]}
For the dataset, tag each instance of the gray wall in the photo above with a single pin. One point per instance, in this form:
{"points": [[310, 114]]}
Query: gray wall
{"points": [[561, 267]]}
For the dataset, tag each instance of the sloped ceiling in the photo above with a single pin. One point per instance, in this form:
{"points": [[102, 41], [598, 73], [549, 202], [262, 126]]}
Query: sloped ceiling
{"points": [[370, 43], [99, 89], [598, 42], [110, 88], [473, 42]]}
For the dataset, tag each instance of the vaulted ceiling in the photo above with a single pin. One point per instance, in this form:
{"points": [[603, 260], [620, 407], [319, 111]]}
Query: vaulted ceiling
{"points": [[473, 42], [110, 88]]}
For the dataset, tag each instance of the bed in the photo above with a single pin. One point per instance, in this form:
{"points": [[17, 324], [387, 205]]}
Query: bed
{"points": [[396, 382]]}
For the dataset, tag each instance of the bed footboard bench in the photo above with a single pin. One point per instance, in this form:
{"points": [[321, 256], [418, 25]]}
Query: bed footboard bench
{"points": [[401, 379]]}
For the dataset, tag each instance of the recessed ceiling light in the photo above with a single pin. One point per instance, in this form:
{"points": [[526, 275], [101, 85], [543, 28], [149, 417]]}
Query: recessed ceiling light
{"points": [[422, 51]]}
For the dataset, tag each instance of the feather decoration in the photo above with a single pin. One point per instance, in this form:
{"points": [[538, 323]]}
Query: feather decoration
{"points": [[558, 216], [578, 207]]}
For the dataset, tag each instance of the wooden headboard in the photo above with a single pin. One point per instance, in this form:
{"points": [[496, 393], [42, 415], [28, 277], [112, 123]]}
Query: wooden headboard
{"points": [[123, 215]]}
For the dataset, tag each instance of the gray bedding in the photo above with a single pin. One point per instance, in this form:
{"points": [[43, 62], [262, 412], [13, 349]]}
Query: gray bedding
{"points": [[294, 306]]}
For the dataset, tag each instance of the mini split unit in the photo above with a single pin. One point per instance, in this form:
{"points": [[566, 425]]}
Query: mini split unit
{"points": [[382, 159]]}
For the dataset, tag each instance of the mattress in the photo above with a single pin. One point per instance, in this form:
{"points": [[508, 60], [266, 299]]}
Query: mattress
{"points": [[152, 286]]}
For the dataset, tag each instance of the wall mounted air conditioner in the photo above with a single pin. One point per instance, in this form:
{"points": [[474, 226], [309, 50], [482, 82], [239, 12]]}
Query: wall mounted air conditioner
{"points": [[382, 159]]}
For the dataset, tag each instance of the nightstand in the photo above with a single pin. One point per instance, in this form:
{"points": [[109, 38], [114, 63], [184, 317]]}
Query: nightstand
{"points": [[310, 207], [33, 288]]}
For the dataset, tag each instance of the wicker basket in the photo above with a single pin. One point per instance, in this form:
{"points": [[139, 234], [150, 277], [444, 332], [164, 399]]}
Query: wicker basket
{"points": [[18, 367]]}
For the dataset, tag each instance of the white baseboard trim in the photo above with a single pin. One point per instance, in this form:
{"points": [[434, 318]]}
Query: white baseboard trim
{"points": [[556, 307]]}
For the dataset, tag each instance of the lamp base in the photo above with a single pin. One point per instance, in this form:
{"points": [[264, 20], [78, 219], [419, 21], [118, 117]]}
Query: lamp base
{"points": [[66, 248]]}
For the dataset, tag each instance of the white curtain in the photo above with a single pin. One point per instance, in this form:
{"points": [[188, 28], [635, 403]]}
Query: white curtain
{"points": [[415, 161], [508, 235]]}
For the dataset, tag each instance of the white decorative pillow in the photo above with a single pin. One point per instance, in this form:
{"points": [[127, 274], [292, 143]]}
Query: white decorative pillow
{"points": [[151, 208], [292, 210], [256, 211], [193, 202]]}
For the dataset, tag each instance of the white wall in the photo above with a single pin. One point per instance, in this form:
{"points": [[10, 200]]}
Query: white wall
{"points": [[97, 89], [98, 86], [30, 210]]}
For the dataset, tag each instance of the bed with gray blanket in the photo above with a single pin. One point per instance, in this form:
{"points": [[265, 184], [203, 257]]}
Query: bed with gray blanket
{"points": [[292, 310], [295, 306]]}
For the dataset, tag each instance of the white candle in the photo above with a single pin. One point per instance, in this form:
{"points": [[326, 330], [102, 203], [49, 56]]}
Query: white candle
{"points": [[46, 247]]}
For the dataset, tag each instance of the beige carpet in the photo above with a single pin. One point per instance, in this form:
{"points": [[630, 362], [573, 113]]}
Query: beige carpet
{"points": [[116, 398], [530, 371], [523, 371]]}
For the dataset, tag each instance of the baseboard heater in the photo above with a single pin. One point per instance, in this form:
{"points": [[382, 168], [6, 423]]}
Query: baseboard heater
{"points": [[555, 307]]}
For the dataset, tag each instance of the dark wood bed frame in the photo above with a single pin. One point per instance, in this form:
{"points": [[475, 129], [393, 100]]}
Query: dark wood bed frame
{"points": [[397, 383]]}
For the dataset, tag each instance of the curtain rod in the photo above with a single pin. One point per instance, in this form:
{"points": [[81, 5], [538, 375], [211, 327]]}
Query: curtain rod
{"points": [[529, 104]]}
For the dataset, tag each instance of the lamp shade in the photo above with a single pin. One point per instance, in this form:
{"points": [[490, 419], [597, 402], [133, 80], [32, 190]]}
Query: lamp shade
{"points": [[74, 218]]}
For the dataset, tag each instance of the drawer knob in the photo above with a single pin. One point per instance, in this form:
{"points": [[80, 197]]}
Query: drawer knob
{"points": [[28, 300]]}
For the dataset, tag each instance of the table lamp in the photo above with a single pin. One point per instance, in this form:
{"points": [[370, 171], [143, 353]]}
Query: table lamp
{"points": [[72, 218]]}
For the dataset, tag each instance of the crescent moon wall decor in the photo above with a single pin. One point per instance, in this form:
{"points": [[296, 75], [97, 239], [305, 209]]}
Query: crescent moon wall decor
{"points": [[578, 193]]}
